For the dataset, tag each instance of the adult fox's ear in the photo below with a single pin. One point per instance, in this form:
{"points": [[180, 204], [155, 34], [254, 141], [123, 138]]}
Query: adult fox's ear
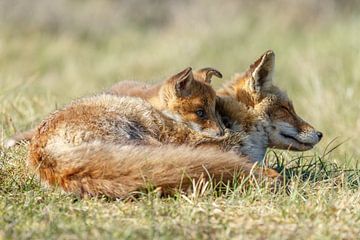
{"points": [[261, 72], [205, 74], [183, 82]]}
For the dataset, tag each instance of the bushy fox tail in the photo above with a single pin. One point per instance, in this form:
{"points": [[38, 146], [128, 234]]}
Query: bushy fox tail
{"points": [[116, 171]]}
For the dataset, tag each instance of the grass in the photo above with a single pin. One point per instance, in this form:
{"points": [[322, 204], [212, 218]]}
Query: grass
{"points": [[82, 48]]}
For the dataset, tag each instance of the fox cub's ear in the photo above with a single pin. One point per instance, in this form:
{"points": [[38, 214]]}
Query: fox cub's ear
{"points": [[183, 82], [261, 72], [205, 74]]}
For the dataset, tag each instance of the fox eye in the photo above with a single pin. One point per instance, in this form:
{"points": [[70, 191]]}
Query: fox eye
{"points": [[200, 113]]}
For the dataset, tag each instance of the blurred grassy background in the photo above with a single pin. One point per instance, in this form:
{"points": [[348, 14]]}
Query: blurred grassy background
{"points": [[55, 51]]}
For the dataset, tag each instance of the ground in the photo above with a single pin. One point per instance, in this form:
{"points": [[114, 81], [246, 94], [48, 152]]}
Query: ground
{"points": [[73, 49]]}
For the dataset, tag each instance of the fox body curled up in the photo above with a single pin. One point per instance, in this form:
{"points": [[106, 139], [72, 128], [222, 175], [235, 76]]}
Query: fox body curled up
{"points": [[261, 115], [115, 145]]}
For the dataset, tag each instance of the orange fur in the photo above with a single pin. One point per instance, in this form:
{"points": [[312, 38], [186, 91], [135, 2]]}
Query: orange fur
{"points": [[69, 149], [84, 153], [115, 145], [118, 171]]}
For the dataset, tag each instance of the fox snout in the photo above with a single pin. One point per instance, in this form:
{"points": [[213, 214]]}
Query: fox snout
{"points": [[308, 134], [213, 130], [286, 136], [309, 137]]}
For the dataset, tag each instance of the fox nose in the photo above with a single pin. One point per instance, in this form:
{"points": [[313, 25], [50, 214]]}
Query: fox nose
{"points": [[320, 135]]}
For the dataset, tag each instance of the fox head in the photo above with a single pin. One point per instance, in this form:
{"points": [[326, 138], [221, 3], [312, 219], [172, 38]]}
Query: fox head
{"points": [[285, 130], [191, 101]]}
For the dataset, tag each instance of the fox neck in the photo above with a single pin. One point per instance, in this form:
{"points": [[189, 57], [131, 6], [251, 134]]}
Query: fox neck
{"points": [[256, 143]]}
